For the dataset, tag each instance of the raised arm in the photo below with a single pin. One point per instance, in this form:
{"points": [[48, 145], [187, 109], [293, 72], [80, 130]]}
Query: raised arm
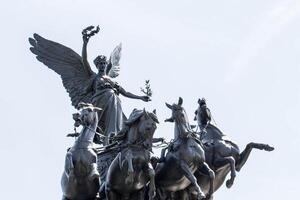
{"points": [[86, 34], [84, 51]]}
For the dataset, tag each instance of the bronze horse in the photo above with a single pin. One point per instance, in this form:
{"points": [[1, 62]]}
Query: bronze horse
{"points": [[131, 171], [80, 179], [222, 154], [185, 156]]}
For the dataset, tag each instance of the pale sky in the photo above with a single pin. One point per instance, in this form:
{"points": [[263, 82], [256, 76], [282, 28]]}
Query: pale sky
{"points": [[242, 56]]}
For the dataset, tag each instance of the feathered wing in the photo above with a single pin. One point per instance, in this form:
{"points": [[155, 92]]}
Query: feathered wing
{"points": [[113, 67], [76, 78]]}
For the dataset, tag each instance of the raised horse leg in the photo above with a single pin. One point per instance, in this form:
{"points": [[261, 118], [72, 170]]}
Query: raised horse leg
{"points": [[189, 175], [211, 174], [245, 154], [221, 161]]}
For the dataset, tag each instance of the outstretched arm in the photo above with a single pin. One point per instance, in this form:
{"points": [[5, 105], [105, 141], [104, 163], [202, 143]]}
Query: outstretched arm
{"points": [[132, 96]]}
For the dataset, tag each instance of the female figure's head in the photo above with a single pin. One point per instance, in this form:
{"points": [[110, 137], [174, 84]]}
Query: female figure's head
{"points": [[101, 63]]}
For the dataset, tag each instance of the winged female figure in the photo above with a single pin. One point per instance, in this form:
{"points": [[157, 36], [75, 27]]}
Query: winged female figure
{"points": [[84, 85]]}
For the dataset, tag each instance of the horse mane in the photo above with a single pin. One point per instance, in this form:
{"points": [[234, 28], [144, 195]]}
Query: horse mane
{"points": [[186, 118], [136, 115], [133, 121]]}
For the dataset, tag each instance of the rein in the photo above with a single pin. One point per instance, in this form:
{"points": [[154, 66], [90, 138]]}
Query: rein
{"points": [[163, 144]]}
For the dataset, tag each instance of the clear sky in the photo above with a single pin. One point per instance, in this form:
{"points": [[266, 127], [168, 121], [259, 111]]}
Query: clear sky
{"points": [[242, 56]]}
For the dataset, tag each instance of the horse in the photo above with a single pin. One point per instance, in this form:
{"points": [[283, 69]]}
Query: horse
{"points": [[176, 170], [80, 179], [222, 154], [131, 171]]}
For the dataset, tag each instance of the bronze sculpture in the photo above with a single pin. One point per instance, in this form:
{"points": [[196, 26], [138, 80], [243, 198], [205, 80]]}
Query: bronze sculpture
{"points": [[80, 179], [186, 155], [222, 154], [82, 84], [196, 163], [131, 170]]}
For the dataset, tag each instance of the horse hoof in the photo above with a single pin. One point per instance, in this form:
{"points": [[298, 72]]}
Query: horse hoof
{"points": [[201, 196], [94, 176], [229, 183], [269, 148], [152, 195], [208, 197]]}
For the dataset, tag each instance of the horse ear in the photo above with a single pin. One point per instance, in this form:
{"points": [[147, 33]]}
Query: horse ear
{"points": [[199, 100], [180, 101], [169, 106], [76, 116], [154, 111], [145, 113]]}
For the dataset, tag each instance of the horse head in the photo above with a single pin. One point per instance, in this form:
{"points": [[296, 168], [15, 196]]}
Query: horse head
{"points": [[81, 174], [145, 126], [179, 116], [178, 113], [87, 115]]}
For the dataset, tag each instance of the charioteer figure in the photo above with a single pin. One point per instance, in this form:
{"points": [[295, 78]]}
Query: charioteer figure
{"points": [[205, 115], [220, 150]]}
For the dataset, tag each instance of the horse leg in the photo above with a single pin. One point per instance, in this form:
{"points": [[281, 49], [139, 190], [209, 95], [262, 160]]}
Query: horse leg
{"points": [[161, 194], [94, 174], [243, 157], [110, 194], [69, 166], [172, 195], [221, 161], [211, 174], [183, 195], [140, 195], [129, 179], [162, 155], [126, 196], [151, 173], [102, 191], [189, 175]]}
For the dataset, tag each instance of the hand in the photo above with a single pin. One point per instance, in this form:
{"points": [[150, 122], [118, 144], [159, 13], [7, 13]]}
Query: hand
{"points": [[163, 140], [85, 38], [85, 35], [89, 32], [145, 98]]}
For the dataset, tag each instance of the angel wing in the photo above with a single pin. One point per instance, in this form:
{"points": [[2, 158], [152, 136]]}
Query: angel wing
{"points": [[76, 78], [113, 67]]}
